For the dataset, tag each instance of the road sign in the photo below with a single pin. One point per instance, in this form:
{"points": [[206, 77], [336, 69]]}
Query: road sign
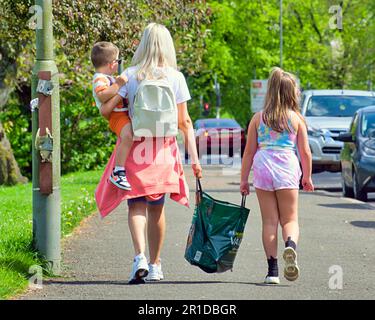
{"points": [[258, 94]]}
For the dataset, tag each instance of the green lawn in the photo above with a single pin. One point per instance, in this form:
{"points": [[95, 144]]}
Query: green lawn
{"points": [[16, 253]]}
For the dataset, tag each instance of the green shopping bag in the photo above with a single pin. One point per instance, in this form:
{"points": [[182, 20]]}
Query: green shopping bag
{"points": [[215, 233]]}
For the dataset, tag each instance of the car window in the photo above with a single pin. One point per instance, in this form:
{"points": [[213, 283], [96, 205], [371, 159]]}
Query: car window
{"points": [[302, 100], [336, 106], [354, 125], [197, 124], [219, 123], [368, 124]]}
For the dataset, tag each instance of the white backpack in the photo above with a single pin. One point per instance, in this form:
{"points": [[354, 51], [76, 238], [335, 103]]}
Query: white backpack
{"points": [[155, 110]]}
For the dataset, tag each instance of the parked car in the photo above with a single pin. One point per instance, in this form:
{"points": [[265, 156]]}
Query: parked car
{"points": [[219, 136], [358, 155], [328, 113]]}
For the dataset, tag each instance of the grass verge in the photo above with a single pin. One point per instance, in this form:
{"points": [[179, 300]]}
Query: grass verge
{"points": [[16, 252]]}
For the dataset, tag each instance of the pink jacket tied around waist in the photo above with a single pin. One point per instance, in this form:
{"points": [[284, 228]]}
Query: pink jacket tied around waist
{"points": [[153, 168]]}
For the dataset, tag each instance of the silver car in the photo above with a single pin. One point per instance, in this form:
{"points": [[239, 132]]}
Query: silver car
{"points": [[328, 113]]}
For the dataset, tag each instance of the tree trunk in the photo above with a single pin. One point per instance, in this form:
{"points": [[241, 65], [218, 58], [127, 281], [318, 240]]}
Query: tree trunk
{"points": [[10, 173]]}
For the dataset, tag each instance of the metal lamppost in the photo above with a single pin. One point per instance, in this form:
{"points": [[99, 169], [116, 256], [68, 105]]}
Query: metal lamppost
{"points": [[46, 144]]}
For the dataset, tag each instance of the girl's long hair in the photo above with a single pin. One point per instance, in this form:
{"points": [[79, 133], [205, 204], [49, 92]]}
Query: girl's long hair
{"points": [[282, 96], [155, 49]]}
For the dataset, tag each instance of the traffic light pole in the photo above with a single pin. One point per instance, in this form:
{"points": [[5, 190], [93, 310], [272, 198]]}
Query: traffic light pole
{"points": [[46, 206], [218, 96]]}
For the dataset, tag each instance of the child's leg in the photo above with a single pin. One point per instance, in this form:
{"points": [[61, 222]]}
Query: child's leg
{"points": [[125, 145], [270, 220], [118, 175], [287, 202]]}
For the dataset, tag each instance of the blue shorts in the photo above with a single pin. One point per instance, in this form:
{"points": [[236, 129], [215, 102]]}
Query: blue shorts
{"points": [[143, 199]]}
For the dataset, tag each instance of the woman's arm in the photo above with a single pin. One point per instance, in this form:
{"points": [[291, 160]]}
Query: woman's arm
{"points": [[186, 126], [108, 107], [248, 155]]}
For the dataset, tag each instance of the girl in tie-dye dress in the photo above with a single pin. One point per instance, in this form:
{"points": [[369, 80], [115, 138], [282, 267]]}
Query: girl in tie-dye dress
{"points": [[274, 135]]}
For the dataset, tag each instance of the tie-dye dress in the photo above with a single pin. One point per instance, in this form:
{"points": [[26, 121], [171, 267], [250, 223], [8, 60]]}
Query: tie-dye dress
{"points": [[275, 164]]}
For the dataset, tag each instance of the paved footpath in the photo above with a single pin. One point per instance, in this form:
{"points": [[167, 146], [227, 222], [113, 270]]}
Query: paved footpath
{"points": [[336, 235]]}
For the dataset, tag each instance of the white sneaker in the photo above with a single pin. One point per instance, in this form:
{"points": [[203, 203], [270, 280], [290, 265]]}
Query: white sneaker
{"points": [[291, 270], [140, 269], [155, 272], [271, 280]]}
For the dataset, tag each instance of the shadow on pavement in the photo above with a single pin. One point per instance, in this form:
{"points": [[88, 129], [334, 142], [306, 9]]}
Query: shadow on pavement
{"points": [[364, 224], [349, 206], [329, 189], [209, 282], [208, 190], [122, 283]]}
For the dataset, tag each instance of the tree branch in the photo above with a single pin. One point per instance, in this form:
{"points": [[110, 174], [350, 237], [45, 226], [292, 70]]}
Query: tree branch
{"points": [[315, 27]]}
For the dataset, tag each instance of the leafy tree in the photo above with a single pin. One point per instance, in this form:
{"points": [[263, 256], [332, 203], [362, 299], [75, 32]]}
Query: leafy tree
{"points": [[244, 44], [236, 40], [78, 24]]}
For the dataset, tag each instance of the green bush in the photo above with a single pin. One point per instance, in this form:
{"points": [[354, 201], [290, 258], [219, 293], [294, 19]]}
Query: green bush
{"points": [[86, 141], [17, 126]]}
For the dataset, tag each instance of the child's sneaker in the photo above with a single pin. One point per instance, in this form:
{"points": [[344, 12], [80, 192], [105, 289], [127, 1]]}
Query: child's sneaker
{"points": [[119, 179], [139, 270], [155, 272], [291, 270], [273, 272], [271, 280]]}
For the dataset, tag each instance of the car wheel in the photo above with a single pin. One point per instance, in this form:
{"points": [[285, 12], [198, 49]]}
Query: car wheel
{"points": [[317, 169], [346, 191], [358, 193], [230, 152]]}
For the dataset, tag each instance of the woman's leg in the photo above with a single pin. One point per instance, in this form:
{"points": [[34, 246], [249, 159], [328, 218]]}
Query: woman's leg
{"points": [[270, 220], [287, 202], [137, 225], [155, 230]]}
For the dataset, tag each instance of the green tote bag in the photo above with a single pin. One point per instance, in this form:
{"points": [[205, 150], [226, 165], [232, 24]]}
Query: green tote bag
{"points": [[215, 233]]}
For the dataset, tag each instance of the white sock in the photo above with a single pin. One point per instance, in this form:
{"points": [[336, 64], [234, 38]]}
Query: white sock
{"points": [[118, 168], [139, 256]]}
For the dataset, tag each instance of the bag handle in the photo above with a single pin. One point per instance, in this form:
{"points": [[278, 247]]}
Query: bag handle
{"points": [[198, 192], [243, 201], [198, 186], [198, 189]]}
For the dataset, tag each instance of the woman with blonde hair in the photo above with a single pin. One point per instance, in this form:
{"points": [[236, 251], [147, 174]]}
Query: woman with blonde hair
{"points": [[273, 136], [155, 58]]}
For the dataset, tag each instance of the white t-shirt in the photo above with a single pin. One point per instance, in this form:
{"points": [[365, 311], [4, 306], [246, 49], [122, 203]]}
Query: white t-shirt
{"points": [[174, 77], [100, 82]]}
